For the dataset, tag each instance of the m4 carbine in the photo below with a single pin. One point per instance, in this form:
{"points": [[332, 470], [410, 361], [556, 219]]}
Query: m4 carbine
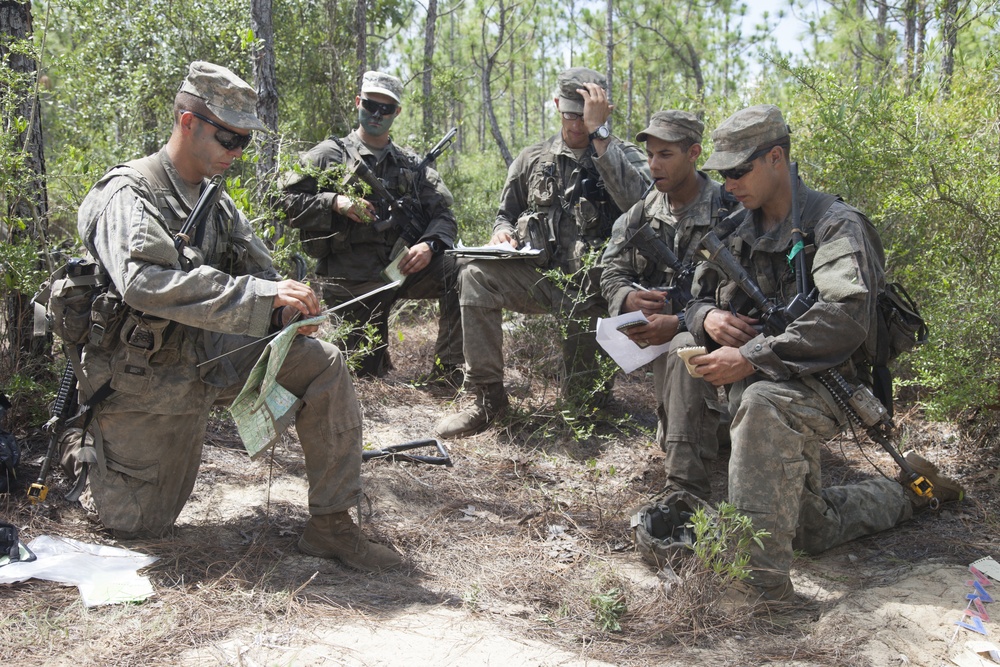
{"points": [[404, 213], [648, 243], [858, 402]]}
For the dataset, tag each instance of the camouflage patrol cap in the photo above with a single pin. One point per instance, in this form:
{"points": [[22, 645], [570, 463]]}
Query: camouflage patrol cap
{"points": [[383, 84], [743, 133], [571, 79], [226, 95], [673, 126]]}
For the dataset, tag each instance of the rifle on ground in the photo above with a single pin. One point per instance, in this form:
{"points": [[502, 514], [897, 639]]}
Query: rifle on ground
{"points": [[858, 402], [63, 410]]}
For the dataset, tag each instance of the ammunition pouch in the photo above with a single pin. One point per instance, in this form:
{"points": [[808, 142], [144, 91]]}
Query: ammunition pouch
{"points": [[533, 230], [131, 368], [106, 316], [66, 298]]}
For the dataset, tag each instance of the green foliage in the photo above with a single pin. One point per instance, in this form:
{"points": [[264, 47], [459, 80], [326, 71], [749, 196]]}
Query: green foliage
{"points": [[609, 607], [475, 181], [723, 540]]}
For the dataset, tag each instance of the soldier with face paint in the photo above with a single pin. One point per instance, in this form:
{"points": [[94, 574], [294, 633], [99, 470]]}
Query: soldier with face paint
{"points": [[335, 223]]}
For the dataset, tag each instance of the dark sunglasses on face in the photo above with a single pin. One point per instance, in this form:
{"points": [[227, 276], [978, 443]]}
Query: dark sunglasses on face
{"points": [[738, 172], [227, 138], [371, 106]]}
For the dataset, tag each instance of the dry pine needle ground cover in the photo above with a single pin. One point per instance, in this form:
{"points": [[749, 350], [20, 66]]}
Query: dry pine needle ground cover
{"points": [[525, 538]]}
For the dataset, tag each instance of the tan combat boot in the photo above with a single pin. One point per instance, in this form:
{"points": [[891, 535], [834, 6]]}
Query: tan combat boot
{"points": [[491, 402], [945, 488], [337, 536]]}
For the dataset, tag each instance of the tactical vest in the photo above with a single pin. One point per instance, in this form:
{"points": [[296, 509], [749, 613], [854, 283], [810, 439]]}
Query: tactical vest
{"points": [[397, 172], [222, 253], [568, 215]]}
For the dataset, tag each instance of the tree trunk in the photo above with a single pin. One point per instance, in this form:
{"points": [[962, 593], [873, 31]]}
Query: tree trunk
{"points": [[489, 61], [25, 196], [610, 49], [267, 89], [428, 89], [909, 41], [361, 34], [949, 40], [918, 58]]}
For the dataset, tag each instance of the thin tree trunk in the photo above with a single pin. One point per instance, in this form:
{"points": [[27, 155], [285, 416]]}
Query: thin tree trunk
{"points": [[26, 201], [909, 40], [428, 89], [361, 34], [267, 88], [610, 48], [918, 59], [949, 40]]}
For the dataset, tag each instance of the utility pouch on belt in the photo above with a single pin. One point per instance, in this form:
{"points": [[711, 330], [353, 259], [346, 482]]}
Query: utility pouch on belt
{"points": [[106, 317], [533, 230], [141, 337]]}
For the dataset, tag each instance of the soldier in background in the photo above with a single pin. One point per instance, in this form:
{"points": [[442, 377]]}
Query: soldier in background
{"points": [[338, 229], [561, 196]]}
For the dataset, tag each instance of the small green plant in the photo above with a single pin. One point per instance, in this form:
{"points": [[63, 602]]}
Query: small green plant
{"points": [[722, 541], [609, 607]]}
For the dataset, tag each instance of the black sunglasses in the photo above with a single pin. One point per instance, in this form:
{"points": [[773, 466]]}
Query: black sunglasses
{"points": [[371, 106], [227, 138], [738, 172]]}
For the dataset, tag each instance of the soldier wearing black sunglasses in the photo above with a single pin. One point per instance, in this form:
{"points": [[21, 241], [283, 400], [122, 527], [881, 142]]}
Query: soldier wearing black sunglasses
{"points": [[169, 310], [335, 217]]}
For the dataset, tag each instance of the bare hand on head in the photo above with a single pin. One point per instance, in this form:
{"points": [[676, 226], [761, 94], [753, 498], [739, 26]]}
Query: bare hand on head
{"points": [[731, 330], [723, 366], [301, 300], [648, 302], [500, 237], [416, 259], [362, 211], [596, 108]]}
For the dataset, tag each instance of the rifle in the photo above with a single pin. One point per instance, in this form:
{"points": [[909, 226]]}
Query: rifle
{"points": [[857, 402], [404, 213], [62, 411], [209, 196], [647, 242]]}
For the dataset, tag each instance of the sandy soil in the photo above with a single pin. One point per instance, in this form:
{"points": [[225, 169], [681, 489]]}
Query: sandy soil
{"points": [[504, 555]]}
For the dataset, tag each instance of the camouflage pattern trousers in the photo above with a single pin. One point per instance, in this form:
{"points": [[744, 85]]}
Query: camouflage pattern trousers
{"points": [[436, 281], [487, 287], [153, 459], [775, 479], [689, 418]]}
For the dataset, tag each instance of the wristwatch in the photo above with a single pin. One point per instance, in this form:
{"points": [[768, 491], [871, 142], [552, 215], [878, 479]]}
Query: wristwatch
{"points": [[603, 132], [434, 245]]}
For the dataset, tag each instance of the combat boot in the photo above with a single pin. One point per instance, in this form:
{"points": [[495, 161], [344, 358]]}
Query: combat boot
{"points": [[491, 402], [337, 536], [945, 488]]}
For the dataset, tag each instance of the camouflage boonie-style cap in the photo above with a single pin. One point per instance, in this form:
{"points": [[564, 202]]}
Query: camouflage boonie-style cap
{"points": [[571, 79], [743, 133], [226, 95], [382, 83], [673, 126]]}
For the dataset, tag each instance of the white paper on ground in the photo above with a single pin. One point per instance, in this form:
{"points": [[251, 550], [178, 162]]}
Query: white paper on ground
{"points": [[104, 575], [620, 347]]}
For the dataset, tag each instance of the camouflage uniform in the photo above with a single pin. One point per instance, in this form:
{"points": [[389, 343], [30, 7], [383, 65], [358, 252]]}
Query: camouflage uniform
{"points": [[351, 256], [179, 312], [535, 192], [783, 414], [689, 412]]}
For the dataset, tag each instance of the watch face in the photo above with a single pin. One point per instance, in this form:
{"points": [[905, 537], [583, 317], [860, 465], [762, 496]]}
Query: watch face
{"points": [[601, 133]]}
